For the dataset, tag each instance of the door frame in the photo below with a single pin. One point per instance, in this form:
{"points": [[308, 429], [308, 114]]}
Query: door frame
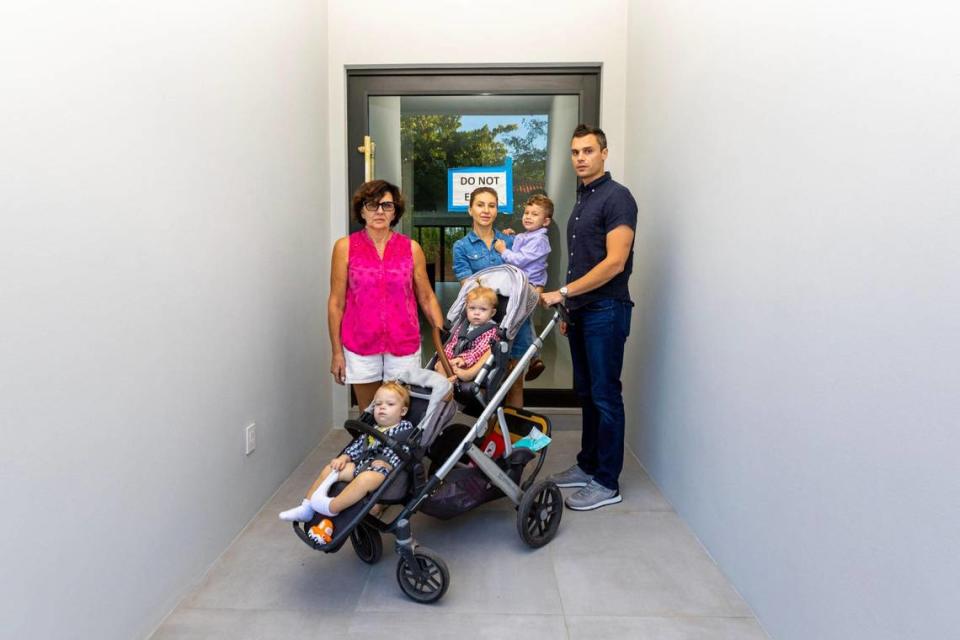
{"points": [[363, 82]]}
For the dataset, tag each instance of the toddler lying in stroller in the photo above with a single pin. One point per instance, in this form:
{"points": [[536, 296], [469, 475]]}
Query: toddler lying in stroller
{"points": [[364, 463]]}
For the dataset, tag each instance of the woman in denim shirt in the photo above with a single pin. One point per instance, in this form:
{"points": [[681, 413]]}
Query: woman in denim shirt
{"points": [[474, 252]]}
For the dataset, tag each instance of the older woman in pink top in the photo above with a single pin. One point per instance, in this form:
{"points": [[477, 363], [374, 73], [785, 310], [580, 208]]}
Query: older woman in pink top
{"points": [[377, 278]]}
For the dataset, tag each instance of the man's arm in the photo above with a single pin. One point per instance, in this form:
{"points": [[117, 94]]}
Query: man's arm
{"points": [[619, 242]]}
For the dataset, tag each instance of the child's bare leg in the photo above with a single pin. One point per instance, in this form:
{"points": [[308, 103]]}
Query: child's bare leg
{"points": [[320, 487], [365, 392], [345, 474], [323, 488], [320, 478], [363, 484]]}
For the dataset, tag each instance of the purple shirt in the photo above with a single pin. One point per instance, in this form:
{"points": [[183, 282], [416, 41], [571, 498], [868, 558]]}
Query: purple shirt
{"points": [[529, 253]]}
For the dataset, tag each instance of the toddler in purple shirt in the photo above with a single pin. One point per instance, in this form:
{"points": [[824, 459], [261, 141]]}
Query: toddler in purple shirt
{"points": [[530, 251]]}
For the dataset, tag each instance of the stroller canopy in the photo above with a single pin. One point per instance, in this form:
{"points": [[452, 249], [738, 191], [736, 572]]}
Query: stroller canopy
{"points": [[507, 280], [425, 384]]}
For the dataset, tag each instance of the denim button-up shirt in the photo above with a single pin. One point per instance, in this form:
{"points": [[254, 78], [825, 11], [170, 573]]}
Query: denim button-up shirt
{"points": [[470, 254]]}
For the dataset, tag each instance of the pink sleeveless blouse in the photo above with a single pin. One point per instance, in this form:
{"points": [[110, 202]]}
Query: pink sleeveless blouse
{"points": [[380, 314]]}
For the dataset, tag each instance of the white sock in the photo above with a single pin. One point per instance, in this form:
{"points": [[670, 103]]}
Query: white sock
{"points": [[321, 504], [319, 500], [303, 513]]}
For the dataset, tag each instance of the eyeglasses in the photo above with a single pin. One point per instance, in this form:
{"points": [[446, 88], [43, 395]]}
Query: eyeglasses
{"points": [[371, 206]]}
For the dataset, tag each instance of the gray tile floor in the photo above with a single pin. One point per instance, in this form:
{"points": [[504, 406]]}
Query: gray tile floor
{"points": [[631, 570]]}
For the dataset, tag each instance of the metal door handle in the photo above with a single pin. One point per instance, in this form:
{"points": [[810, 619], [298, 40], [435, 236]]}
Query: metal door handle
{"points": [[369, 151]]}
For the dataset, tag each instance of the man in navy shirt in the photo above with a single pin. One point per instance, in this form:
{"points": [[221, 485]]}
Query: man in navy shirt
{"points": [[600, 256]]}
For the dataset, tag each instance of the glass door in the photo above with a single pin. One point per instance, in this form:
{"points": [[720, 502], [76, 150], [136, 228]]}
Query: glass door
{"points": [[412, 127]]}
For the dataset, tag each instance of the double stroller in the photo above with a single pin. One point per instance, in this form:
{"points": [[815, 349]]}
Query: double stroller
{"points": [[443, 472]]}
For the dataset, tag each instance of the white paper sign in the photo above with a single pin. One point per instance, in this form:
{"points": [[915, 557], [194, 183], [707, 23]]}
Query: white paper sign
{"points": [[461, 181]]}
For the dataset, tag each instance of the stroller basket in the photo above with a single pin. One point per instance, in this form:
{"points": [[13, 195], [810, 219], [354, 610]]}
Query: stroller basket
{"points": [[466, 488]]}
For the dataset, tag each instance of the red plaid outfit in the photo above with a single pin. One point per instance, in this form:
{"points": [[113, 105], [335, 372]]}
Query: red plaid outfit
{"points": [[479, 347]]}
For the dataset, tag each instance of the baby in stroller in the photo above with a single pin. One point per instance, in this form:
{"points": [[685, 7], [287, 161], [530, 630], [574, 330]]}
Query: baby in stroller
{"points": [[430, 474], [468, 348], [364, 463]]}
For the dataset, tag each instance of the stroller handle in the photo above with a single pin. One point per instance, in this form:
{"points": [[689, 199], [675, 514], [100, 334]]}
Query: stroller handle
{"points": [[561, 310], [441, 354]]}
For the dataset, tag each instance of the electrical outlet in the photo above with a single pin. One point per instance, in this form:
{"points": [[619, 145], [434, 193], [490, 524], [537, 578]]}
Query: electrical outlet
{"points": [[251, 437]]}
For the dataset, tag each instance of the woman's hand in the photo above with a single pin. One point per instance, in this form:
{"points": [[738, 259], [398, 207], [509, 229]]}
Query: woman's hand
{"points": [[338, 368]]}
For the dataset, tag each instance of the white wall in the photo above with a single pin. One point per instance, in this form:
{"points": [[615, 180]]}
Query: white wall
{"points": [[795, 166], [429, 32], [163, 242]]}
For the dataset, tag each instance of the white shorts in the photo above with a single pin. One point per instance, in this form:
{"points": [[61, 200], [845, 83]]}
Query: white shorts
{"points": [[378, 367]]}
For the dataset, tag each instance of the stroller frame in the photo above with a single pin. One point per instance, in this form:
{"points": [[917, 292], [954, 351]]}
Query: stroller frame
{"points": [[496, 475], [422, 574]]}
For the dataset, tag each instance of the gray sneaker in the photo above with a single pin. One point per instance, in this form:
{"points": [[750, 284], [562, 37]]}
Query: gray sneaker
{"points": [[592, 496], [572, 477]]}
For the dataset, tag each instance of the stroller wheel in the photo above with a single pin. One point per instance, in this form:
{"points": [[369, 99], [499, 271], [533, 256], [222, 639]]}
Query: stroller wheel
{"points": [[539, 513], [367, 543], [430, 582]]}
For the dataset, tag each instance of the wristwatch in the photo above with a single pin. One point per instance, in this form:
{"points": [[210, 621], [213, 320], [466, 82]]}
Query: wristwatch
{"points": [[564, 291]]}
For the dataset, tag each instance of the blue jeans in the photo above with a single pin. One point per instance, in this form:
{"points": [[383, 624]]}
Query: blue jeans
{"points": [[523, 340], [597, 336]]}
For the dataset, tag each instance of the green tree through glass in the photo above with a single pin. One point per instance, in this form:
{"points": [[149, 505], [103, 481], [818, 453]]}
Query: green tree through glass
{"points": [[431, 144], [529, 153]]}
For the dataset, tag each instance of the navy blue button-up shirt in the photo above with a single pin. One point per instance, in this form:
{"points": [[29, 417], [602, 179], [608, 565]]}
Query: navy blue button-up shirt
{"points": [[602, 206]]}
